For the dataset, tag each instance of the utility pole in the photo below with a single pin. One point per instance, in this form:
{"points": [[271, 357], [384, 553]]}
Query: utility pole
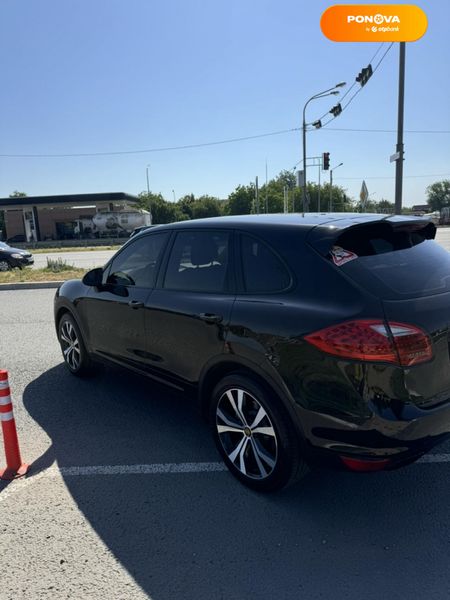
{"points": [[266, 199], [400, 145], [330, 92], [148, 193], [318, 191], [330, 202], [256, 195]]}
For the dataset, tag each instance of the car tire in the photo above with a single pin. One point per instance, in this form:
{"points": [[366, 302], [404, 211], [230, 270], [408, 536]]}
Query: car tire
{"points": [[76, 357], [4, 265], [255, 435]]}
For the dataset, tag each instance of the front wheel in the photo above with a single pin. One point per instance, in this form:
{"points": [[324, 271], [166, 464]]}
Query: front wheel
{"points": [[74, 351], [4, 265], [255, 435]]}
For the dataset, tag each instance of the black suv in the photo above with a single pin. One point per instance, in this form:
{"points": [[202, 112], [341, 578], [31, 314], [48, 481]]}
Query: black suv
{"points": [[14, 257], [315, 338]]}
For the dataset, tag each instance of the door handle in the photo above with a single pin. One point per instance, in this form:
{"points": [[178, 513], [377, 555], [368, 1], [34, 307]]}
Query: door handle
{"points": [[135, 304], [210, 318]]}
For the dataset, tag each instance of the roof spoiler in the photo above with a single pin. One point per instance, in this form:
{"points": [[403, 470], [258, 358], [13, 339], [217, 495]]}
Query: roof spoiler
{"points": [[323, 237]]}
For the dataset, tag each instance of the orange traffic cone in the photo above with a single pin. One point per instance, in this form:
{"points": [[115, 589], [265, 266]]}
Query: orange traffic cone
{"points": [[14, 465]]}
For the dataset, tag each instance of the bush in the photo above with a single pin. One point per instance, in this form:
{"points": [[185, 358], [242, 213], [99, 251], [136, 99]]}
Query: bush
{"points": [[58, 265]]}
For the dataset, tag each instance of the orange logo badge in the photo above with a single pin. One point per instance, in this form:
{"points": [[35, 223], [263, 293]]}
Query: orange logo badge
{"points": [[374, 23]]}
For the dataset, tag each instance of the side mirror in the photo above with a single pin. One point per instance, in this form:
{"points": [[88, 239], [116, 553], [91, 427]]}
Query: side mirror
{"points": [[93, 278]]}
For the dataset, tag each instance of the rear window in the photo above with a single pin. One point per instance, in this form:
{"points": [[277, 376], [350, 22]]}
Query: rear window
{"points": [[394, 272]]}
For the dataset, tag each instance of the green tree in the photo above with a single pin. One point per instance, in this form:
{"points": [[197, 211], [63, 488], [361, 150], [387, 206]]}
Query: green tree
{"points": [[340, 202], [384, 206], [438, 194], [185, 204], [162, 211], [274, 192], [17, 194], [240, 201], [206, 206]]}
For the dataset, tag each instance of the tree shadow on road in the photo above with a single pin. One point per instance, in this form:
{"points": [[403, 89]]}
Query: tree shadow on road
{"points": [[204, 535]]}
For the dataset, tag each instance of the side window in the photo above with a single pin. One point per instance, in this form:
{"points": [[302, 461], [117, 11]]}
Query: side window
{"points": [[262, 269], [198, 262], [136, 264]]}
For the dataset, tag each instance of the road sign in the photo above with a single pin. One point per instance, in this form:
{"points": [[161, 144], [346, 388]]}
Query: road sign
{"points": [[395, 157], [300, 178]]}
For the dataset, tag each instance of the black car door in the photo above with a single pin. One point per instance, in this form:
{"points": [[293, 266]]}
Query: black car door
{"points": [[188, 313], [114, 313]]}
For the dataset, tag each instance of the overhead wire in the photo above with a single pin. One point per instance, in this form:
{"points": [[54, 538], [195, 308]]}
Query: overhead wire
{"points": [[355, 82], [346, 94], [361, 88], [160, 149]]}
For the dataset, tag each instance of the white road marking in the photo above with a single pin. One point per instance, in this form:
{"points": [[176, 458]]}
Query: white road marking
{"points": [[154, 469], [151, 469], [434, 458]]}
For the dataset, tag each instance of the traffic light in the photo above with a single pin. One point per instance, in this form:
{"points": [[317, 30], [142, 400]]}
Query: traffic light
{"points": [[326, 161], [364, 75], [336, 110]]}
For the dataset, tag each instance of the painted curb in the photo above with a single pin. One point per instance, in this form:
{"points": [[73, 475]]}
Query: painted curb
{"points": [[32, 285]]}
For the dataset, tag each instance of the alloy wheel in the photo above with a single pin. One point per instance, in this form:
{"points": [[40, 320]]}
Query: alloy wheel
{"points": [[70, 345], [4, 265], [246, 433]]}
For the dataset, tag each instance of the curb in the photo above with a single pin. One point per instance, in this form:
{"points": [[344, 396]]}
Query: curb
{"points": [[32, 285]]}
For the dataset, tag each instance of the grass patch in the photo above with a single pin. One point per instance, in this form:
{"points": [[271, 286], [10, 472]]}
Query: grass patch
{"points": [[28, 275], [72, 249], [57, 265]]}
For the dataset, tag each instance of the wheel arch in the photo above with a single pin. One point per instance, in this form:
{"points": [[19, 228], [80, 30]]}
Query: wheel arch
{"points": [[63, 310], [225, 366]]}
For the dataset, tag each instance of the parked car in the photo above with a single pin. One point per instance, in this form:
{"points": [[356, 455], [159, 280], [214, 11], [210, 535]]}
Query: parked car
{"points": [[308, 339], [11, 258], [16, 239]]}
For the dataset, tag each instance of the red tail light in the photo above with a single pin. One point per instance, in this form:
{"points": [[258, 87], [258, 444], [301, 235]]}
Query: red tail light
{"points": [[375, 340], [359, 464]]}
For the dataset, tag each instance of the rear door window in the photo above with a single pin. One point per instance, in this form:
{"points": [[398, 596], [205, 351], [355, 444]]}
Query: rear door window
{"points": [[263, 271], [198, 262]]}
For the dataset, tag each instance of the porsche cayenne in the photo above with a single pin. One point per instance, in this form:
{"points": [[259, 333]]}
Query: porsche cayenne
{"points": [[306, 338]]}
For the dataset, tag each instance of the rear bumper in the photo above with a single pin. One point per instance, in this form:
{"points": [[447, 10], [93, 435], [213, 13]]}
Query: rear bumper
{"points": [[382, 437]]}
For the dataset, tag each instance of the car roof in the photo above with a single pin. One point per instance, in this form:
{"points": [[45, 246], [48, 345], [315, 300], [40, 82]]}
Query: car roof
{"points": [[304, 221]]}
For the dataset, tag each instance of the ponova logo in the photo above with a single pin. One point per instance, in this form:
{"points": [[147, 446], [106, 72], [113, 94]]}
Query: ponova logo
{"points": [[374, 23], [378, 19]]}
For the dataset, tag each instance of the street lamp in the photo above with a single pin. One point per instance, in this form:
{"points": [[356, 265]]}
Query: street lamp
{"points": [[330, 204], [148, 194], [330, 92]]}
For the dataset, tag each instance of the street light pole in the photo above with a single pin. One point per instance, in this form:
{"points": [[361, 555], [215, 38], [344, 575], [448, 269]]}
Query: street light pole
{"points": [[330, 203], [148, 194], [400, 146], [330, 92]]}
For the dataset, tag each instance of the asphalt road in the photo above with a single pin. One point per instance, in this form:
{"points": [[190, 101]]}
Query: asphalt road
{"points": [[89, 259], [126, 499], [443, 237], [97, 258]]}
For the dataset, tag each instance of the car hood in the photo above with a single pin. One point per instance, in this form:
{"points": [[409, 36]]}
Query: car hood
{"points": [[11, 250]]}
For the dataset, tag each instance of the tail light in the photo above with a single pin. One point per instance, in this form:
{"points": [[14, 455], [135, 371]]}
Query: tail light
{"points": [[361, 465], [375, 341]]}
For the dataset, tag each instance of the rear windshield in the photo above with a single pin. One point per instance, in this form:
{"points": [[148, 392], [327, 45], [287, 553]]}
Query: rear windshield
{"points": [[419, 270]]}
